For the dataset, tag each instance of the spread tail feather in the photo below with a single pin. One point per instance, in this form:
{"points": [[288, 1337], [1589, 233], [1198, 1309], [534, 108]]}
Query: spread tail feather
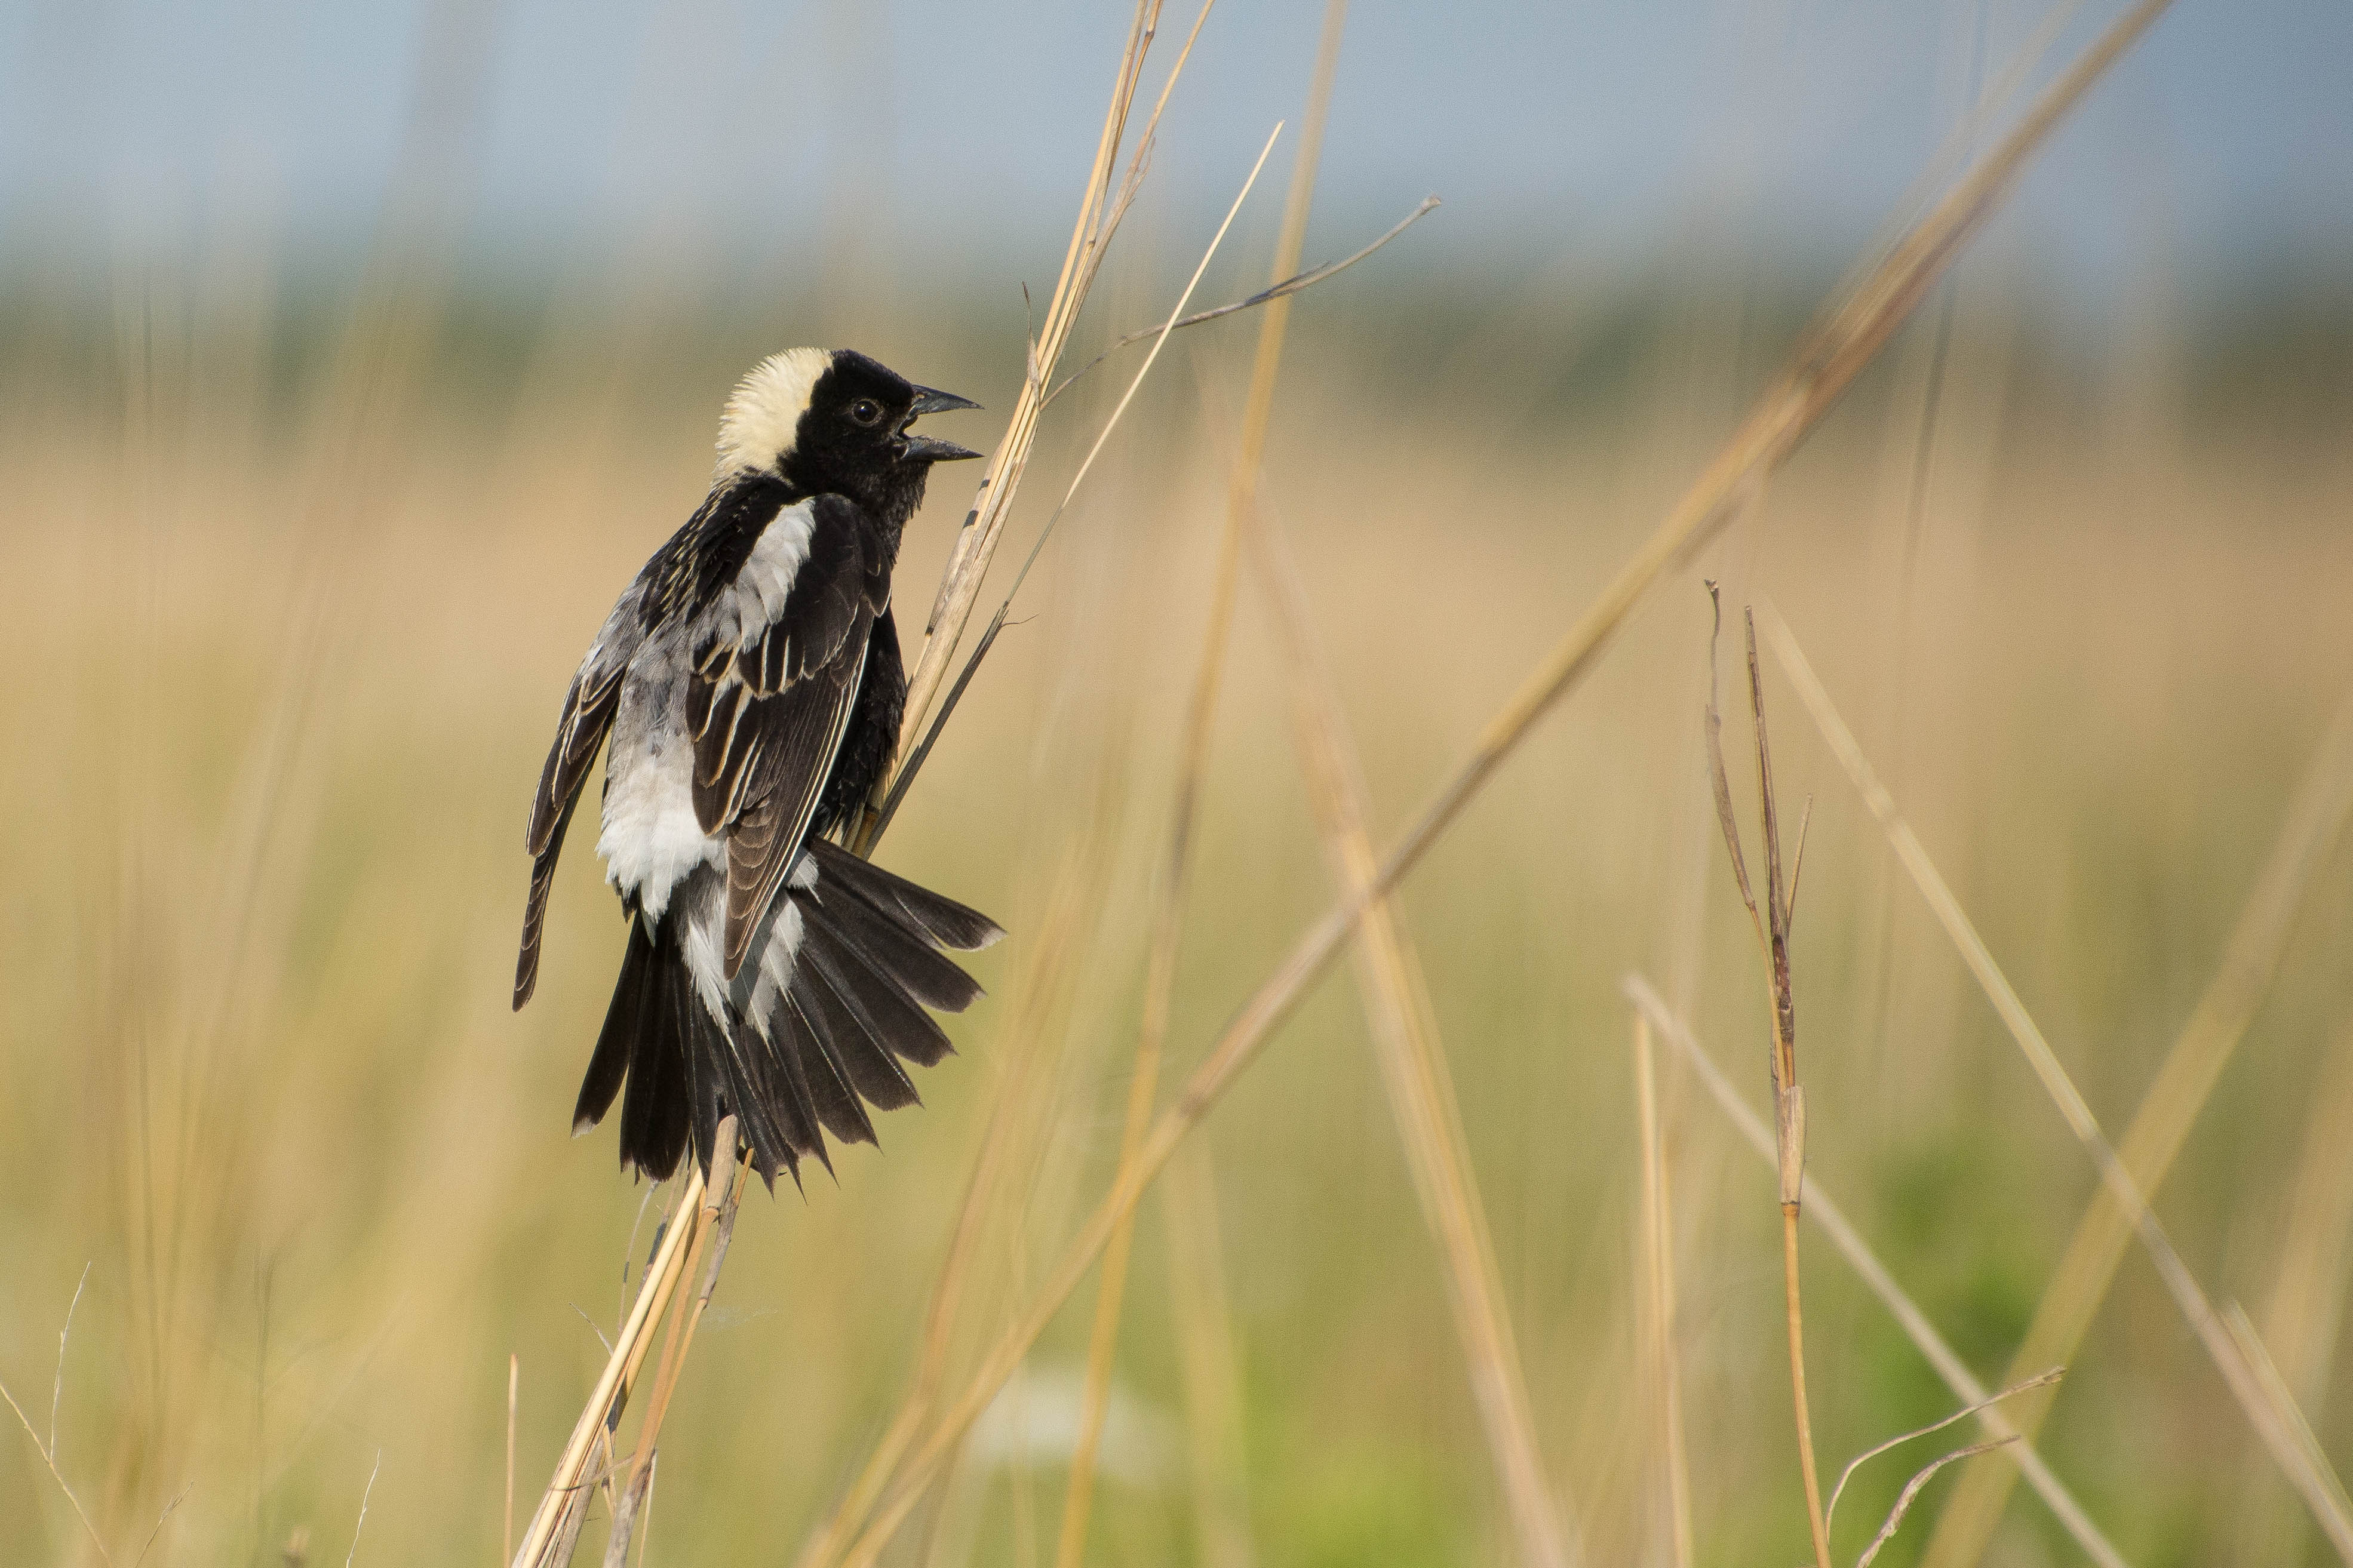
{"points": [[867, 962]]}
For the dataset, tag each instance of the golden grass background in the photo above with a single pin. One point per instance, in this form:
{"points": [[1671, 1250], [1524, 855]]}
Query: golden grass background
{"points": [[285, 639]]}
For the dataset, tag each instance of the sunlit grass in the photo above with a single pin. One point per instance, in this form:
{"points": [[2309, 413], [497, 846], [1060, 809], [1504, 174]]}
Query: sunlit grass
{"points": [[263, 847]]}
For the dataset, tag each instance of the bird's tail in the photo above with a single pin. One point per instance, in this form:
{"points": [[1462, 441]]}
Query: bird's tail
{"points": [[813, 1036]]}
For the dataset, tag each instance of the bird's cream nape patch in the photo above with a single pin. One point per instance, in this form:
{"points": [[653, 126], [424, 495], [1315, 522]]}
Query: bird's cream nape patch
{"points": [[766, 408]]}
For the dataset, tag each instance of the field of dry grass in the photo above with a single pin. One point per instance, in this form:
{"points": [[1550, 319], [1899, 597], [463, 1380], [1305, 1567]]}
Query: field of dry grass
{"points": [[274, 741], [285, 632]]}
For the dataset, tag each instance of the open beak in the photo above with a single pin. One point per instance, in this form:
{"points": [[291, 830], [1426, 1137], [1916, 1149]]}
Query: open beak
{"points": [[925, 448]]}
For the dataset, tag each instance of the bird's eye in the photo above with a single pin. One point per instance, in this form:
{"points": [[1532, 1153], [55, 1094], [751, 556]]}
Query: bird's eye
{"points": [[866, 411]]}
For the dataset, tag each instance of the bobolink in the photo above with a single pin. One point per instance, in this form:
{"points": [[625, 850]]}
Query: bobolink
{"points": [[751, 686]]}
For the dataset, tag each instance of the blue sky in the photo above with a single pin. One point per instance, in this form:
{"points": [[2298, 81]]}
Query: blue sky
{"points": [[1599, 133]]}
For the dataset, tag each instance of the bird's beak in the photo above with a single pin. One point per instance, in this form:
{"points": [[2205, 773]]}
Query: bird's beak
{"points": [[930, 400], [925, 450]]}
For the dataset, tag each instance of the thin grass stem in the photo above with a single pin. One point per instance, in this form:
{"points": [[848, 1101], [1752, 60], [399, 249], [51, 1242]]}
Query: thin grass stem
{"points": [[50, 1461], [506, 1535], [1659, 1297], [1829, 1512]]}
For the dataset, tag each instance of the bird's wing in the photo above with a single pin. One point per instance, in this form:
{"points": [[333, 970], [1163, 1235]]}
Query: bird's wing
{"points": [[770, 695], [588, 709]]}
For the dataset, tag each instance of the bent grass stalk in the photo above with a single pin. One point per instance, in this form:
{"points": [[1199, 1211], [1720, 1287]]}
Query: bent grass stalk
{"points": [[1853, 333], [1829, 1512]]}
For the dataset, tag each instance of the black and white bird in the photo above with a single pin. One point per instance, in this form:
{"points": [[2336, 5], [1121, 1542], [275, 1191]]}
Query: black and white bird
{"points": [[750, 684]]}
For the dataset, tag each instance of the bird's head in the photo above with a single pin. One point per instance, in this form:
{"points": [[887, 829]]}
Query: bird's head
{"points": [[836, 422]]}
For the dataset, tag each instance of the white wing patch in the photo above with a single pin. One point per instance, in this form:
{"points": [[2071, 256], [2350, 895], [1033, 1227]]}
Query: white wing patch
{"points": [[758, 595], [765, 410]]}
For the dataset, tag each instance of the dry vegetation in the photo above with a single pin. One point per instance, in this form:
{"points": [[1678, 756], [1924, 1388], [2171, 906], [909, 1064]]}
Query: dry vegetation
{"points": [[279, 686]]}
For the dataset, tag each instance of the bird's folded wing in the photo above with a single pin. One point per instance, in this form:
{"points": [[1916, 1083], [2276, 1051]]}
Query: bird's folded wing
{"points": [[767, 706], [588, 709]]}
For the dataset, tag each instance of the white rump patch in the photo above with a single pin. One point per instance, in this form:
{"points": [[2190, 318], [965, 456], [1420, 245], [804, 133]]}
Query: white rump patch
{"points": [[651, 840], [766, 408]]}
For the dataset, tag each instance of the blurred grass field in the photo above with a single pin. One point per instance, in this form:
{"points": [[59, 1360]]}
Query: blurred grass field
{"points": [[278, 704], [293, 571]]}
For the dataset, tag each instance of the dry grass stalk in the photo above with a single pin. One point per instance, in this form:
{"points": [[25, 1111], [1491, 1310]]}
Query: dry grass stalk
{"points": [[2316, 818], [715, 1229], [2305, 1310], [1921, 1477], [514, 1377], [1772, 430], [48, 1450], [50, 1459], [627, 1514], [1413, 1067], [1199, 1307], [1283, 290], [2275, 1423], [1659, 1299], [1169, 906], [1772, 927], [555, 1523], [366, 1493], [1825, 1212], [2283, 1399], [166, 1518], [1100, 212], [2044, 1380]]}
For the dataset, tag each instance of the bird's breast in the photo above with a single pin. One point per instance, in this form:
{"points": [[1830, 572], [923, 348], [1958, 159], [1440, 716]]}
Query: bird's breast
{"points": [[651, 838]]}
